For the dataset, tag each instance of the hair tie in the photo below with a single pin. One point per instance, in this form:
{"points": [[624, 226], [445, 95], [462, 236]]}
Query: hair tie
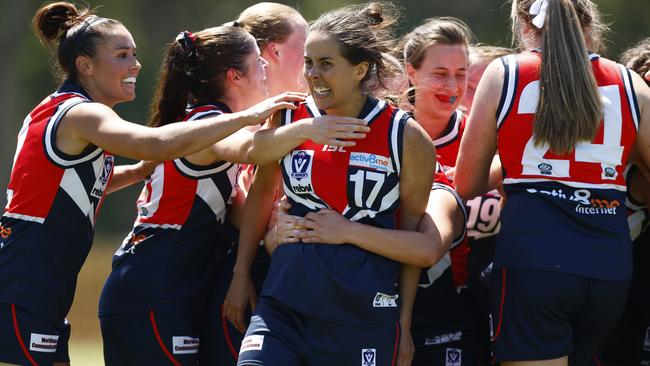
{"points": [[539, 9], [186, 39], [88, 21]]}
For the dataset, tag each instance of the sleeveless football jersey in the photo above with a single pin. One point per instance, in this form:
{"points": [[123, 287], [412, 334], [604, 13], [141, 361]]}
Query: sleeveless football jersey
{"points": [[342, 283], [164, 263], [637, 212], [565, 213], [53, 199]]}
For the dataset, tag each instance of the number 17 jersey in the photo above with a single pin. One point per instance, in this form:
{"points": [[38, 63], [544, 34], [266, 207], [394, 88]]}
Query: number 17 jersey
{"points": [[342, 283]]}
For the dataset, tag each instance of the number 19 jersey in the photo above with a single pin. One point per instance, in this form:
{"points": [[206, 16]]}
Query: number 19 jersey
{"points": [[566, 212], [342, 283]]}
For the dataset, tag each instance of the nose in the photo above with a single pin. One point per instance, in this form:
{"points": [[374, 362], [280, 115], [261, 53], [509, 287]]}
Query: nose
{"points": [[311, 72], [137, 66]]}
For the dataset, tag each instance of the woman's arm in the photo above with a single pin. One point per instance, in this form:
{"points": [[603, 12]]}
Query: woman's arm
{"points": [[479, 142], [254, 221], [126, 175], [97, 124]]}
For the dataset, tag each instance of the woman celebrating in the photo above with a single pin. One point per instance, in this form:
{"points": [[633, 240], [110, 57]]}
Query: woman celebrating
{"points": [[156, 292], [62, 169], [566, 121], [329, 304]]}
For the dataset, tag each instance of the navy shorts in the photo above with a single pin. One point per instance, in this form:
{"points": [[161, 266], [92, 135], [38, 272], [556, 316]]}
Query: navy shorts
{"points": [[62, 353], [542, 315], [148, 339], [444, 348], [26, 339], [280, 336]]}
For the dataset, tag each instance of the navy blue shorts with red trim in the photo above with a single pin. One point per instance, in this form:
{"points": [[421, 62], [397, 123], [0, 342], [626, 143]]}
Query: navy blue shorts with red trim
{"points": [[543, 315], [26, 339], [280, 336], [148, 339]]}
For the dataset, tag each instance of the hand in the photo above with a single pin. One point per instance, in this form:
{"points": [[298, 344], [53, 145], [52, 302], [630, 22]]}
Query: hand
{"points": [[266, 108], [286, 226], [145, 168], [325, 226], [332, 130], [406, 348], [241, 294]]}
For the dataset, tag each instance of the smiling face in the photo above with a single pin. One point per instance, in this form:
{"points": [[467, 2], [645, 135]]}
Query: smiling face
{"points": [[254, 88], [441, 80], [334, 83], [110, 75]]}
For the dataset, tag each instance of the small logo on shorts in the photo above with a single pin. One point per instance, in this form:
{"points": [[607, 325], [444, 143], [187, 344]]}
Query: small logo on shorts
{"points": [[252, 343], [369, 357], [382, 300], [453, 357], [43, 342], [185, 345], [646, 341]]}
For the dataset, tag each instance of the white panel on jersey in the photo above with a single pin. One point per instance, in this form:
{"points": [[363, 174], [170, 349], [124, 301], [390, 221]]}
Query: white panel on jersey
{"points": [[630, 94], [387, 201], [72, 185], [148, 208], [437, 270], [511, 64], [378, 107], [200, 173], [566, 183], [209, 192], [453, 133], [10, 195], [49, 138], [22, 135], [394, 141], [40, 220]]}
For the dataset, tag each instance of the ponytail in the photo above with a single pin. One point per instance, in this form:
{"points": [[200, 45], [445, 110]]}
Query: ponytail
{"points": [[570, 108]]}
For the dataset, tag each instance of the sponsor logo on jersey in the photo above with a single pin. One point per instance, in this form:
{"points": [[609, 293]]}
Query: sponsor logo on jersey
{"points": [[43, 342], [609, 173], [369, 357], [444, 338], [382, 300], [371, 161], [300, 162], [104, 175], [185, 345], [302, 189], [585, 203], [545, 169], [453, 357], [252, 343], [646, 341], [330, 148]]}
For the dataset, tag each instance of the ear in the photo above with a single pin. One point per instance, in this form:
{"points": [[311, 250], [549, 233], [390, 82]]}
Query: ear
{"points": [[361, 70], [233, 77], [272, 52], [84, 65], [410, 72]]}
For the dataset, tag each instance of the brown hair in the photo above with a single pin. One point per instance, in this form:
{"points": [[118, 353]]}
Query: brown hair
{"points": [[194, 70], [363, 33], [268, 22], [75, 32], [637, 58], [570, 108], [487, 52]]}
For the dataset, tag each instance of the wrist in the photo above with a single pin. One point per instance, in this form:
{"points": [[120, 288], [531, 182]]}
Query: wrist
{"points": [[305, 128]]}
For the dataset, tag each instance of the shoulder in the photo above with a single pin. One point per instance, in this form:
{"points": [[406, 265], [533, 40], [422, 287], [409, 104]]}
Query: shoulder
{"points": [[417, 142]]}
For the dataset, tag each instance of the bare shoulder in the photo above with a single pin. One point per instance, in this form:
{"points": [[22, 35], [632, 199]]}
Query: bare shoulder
{"points": [[416, 138], [85, 114]]}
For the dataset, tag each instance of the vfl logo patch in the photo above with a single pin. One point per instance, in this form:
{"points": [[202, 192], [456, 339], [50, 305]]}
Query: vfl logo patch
{"points": [[368, 357], [43, 342], [453, 357], [384, 301], [300, 161], [252, 343], [185, 345], [545, 169], [104, 175], [371, 161], [609, 173]]}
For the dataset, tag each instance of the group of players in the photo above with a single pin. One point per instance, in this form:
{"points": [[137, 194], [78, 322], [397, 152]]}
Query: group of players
{"points": [[350, 176]]}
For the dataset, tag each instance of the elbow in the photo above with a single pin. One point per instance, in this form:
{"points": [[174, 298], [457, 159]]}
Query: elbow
{"points": [[464, 190], [429, 257]]}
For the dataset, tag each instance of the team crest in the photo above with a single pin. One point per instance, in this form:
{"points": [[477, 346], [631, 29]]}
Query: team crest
{"points": [[453, 357], [300, 164], [369, 357]]}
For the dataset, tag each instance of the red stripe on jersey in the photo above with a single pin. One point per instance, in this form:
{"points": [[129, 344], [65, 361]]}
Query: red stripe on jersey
{"points": [[599, 163]]}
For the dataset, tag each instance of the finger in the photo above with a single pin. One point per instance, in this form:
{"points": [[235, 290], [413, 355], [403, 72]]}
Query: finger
{"points": [[344, 143], [350, 127], [350, 135]]}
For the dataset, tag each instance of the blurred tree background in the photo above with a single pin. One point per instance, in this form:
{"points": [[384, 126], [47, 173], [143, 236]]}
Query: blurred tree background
{"points": [[26, 78]]}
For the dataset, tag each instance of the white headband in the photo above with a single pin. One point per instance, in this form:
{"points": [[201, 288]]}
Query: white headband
{"points": [[539, 9]]}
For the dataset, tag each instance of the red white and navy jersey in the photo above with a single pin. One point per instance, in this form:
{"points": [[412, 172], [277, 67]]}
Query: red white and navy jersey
{"points": [[573, 203], [342, 283], [448, 143], [53, 201], [164, 262]]}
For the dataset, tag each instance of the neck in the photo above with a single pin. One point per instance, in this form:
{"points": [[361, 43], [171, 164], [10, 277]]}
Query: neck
{"points": [[433, 125], [94, 93], [234, 102], [352, 108]]}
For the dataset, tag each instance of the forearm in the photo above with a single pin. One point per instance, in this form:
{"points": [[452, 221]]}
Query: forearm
{"points": [[269, 145], [124, 176], [408, 285]]}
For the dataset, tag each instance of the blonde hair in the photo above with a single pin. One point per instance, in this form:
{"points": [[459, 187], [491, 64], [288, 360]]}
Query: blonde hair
{"points": [[269, 22], [570, 108]]}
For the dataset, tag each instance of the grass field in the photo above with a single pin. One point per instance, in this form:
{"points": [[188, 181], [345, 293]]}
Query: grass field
{"points": [[85, 341]]}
